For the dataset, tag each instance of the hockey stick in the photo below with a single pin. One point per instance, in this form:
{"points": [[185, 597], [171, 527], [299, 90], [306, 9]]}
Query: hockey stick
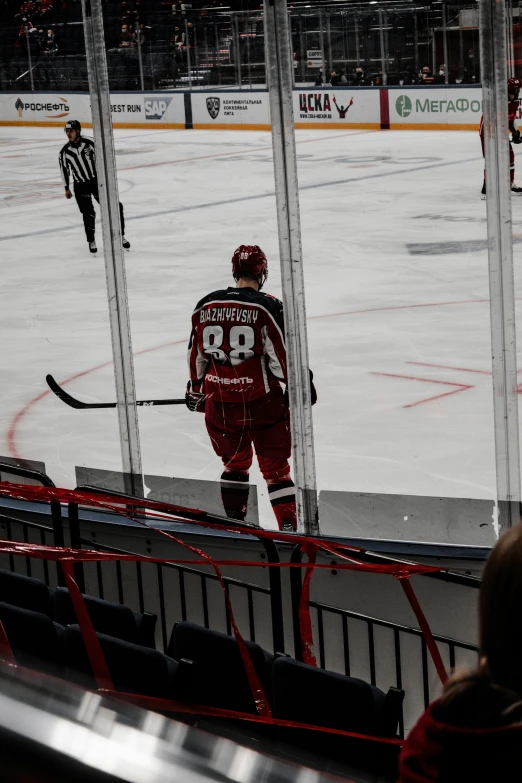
{"points": [[79, 405]]}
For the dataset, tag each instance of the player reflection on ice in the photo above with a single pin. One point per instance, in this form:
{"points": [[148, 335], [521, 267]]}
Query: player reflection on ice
{"points": [[237, 363]]}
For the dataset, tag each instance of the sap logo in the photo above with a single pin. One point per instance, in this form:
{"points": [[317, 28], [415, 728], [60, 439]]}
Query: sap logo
{"points": [[155, 108]]}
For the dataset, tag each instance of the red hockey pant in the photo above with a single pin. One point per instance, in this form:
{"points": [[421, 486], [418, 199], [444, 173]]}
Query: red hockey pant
{"points": [[264, 424]]}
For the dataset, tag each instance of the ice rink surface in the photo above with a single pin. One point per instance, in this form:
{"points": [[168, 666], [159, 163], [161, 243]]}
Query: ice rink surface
{"points": [[394, 237]]}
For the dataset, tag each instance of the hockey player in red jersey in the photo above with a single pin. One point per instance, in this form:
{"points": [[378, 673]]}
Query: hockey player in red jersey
{"points": [[237, 363], [514, 86]]}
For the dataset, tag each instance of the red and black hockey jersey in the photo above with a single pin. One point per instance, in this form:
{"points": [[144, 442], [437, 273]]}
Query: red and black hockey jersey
{"points": [[237, 345]]}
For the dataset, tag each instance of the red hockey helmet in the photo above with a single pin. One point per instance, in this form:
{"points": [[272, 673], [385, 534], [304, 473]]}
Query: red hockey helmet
{"points": [[250, 259], [514, 86]]}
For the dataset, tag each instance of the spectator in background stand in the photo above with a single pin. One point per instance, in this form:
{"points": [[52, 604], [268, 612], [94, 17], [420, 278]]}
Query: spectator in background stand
{"points": [[125, 36], [426, 76], [190, 28], [359, 79], [178, 37], [50, 46], [319, 79], [334, 79], [474, 731]]}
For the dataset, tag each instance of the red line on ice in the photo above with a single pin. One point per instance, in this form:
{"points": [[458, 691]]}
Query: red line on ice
{"points": [[11, 433], [460, 387]]}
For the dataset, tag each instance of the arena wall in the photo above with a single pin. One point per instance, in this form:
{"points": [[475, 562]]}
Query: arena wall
{"points": [[373, 108]]}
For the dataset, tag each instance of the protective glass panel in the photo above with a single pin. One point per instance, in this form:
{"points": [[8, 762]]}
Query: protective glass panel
{"points": [[54, 296]]}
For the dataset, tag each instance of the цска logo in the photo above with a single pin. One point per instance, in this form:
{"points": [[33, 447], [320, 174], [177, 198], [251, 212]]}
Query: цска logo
{"points": [[155, 108], [213, 106], [404, 106]]}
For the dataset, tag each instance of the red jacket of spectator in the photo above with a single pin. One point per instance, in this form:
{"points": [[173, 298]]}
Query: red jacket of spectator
{"points": [[438, 752]]}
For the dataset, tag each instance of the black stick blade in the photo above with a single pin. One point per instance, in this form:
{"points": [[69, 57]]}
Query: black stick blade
{"points": [[71, 401]]}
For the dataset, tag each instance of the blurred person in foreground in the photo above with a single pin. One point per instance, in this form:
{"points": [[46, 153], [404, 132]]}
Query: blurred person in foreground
{"points": [[474, 731]]}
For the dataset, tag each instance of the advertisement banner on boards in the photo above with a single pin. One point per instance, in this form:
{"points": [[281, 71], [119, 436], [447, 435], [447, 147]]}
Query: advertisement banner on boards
{"points": [[241, 109], [432, 107], [127, 109], [336, 107]]}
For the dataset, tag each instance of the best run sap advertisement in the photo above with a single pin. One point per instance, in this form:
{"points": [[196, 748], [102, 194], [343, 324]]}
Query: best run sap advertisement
{"points": [[395, 108], [129, 110]]}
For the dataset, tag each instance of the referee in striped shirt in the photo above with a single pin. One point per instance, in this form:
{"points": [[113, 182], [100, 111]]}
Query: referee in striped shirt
{"points": [[78, 161]]}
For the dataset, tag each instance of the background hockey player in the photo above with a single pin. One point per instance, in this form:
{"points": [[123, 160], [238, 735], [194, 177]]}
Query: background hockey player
{"points": [[514, 86], [78, 161], [237, 362]]}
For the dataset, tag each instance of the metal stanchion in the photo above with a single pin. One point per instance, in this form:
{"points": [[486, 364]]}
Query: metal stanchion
{"points": [[114, 262], [140, 60], [329, 39], [445, 44], [357, 53], [187, 47], [383, 55], [249, 64], [321, 44], [461, 51], [238, 52], [302, 49], [279, 59], [26, 28], [416, 66], [500, 253]]}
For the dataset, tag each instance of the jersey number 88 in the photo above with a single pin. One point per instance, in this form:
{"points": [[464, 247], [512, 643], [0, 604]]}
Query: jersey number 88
{"points": [[241, 340]]}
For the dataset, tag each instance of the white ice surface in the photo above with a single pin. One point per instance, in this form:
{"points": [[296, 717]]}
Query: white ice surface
{"points": [[376, 310]]}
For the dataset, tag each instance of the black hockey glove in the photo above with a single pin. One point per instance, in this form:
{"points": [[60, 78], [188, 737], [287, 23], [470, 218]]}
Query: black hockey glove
{"points": [[195, 401], [516, 137], [312, 388], [313, 392]]}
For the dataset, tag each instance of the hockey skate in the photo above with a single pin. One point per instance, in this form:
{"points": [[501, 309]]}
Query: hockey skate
{"points": [[516, 189], [92, 247], [483, 191], [125, 243]]}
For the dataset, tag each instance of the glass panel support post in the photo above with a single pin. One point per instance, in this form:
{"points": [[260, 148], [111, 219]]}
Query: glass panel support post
{"points": [[416, 66], [187, 47], [113, 250], [500, 252], [29, 60], [279, 59], [140, 57], [321, 44], [357, 52], [445, 43], [381, 43]]}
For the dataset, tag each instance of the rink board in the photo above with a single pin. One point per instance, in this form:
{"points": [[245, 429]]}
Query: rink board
{"points": [[374, 108]]}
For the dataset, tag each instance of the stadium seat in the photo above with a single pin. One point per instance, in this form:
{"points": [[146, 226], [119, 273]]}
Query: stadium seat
{"points": [[218, 677], [306, 694], [35, 640], [26, 592], [134, 669], [108, 618]]}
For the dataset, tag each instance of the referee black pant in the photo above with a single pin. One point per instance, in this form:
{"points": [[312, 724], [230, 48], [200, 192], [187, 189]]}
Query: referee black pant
{"points": [[84, 193]]}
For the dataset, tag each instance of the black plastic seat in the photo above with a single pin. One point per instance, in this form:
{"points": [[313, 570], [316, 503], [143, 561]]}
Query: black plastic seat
{"points": [[35, 640], [305, 694], [26, 592], [134, 669], [218, 676], [109, 618]]}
